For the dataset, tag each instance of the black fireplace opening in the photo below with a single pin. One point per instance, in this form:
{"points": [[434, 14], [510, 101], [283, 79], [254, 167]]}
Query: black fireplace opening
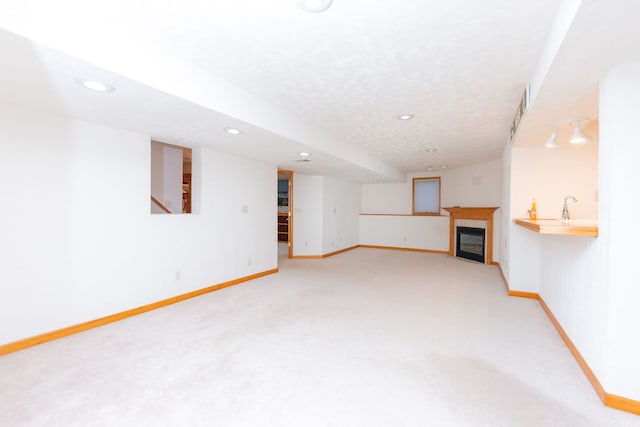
{"points": [[470, 243]]}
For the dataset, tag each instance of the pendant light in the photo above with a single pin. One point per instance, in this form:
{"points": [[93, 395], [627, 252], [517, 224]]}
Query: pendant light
{"points": [[551, 142], [578, 137]]}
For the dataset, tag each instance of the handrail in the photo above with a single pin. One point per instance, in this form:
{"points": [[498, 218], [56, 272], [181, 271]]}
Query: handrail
{"points": [[163, 207]]}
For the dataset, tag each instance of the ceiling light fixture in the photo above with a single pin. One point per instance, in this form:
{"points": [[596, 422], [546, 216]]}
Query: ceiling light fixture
{"points": [[232, 131], [314, 6], [406, 117], [304, 154], [431, 150], [96, 85], [551, 142], [443, 166], [578, 137]]}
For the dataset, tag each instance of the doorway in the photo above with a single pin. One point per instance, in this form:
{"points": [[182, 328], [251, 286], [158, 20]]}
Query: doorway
{"points": [[285, 213]]}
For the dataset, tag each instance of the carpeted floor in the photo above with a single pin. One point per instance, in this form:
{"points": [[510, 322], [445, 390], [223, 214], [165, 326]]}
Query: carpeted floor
{"points": [[366, 338]]}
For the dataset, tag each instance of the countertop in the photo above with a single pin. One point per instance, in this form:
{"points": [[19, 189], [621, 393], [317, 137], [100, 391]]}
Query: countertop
{"points": [[572, 227]]}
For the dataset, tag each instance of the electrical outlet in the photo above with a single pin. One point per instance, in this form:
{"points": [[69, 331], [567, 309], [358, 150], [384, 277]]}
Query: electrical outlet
{"points": [[306, 243], [404, 239], [178, 275], [249, 262], [245, 208]]}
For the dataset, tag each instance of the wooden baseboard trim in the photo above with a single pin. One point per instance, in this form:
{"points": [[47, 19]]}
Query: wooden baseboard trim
{"points": [[523, 294], [340, 251], [325, 255], [394, 248], [576, 354], [74, 329], [504, 278], [610, 400], [622, 403]]}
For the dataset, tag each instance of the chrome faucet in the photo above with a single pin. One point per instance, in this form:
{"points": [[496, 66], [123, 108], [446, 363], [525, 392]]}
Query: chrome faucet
{"points": [[565, 211]]}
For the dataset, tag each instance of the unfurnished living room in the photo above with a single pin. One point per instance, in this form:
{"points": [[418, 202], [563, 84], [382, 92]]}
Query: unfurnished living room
{"points": [[319, 213]]}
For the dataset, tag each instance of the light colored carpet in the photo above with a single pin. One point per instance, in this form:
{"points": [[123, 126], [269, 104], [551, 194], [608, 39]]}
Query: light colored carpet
{"points": [[366, 338]]}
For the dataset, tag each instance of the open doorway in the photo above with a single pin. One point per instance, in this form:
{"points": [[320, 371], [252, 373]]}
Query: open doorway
{"points": [[285, 214]]}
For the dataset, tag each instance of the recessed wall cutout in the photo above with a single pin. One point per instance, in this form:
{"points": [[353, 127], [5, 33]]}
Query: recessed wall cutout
{"points": [[171, 179]]}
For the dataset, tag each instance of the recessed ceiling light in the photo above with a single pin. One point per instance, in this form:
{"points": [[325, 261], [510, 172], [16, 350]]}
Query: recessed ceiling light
{"points": [[232, 131], [314, 6], [304, 154], [431, 150], [406, 117], [96, 85], [443, 166], [429, 167]]}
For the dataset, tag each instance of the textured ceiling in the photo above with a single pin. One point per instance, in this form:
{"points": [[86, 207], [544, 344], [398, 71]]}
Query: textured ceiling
{"points": [[459, 66]]}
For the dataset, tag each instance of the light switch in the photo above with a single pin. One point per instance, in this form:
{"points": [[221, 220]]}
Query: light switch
{"points": [[245, 208]]}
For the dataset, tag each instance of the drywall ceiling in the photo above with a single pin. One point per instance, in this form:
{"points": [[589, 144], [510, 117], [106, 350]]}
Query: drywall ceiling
{"points": [[331, 83]]}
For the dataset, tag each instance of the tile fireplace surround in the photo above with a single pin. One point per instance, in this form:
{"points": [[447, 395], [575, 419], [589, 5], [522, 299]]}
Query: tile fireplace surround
{"points": [[482, 214]]}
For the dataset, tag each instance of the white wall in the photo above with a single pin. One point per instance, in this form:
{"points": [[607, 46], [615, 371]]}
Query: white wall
{"points": [[551, 174], [565, 270], [157, 165], [571, 282], [326, 213], [414, 232], [341, 203], [308, 201], [504, 225], [547, 175], [478, 185], [172, 179], [387, 198], [590, 284], [166, 177], [96, 250], [619, 207]]}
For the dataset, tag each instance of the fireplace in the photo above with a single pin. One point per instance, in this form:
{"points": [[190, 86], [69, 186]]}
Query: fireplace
{"points": [[470, 243], [483, 214]]}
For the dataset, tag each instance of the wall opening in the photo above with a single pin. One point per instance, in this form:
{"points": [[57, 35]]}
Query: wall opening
{"points": [[285, 213], [171, 179]]}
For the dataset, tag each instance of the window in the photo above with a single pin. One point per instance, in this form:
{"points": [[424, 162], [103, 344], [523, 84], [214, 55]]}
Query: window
{"points": [[426, 196], [170, 178]]}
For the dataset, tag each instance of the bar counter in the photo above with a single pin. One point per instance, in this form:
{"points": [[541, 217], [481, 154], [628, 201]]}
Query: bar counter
{"points": [[572, 227]]}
